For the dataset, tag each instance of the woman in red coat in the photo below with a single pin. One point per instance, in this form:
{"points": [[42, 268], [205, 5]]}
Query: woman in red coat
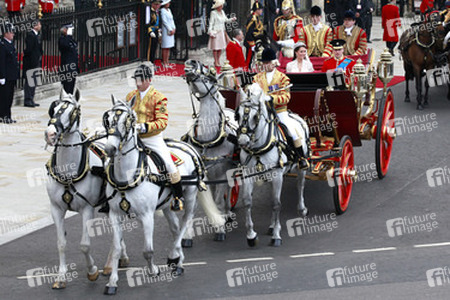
{"points": [[390, 20]]}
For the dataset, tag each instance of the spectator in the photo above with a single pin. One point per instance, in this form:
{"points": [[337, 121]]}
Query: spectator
{"points": [[168, 31], [32, 60], [235, 55], [68, 48], [154, 30], [360, 8], [369, 20], [9, 73], [218, 38], [272, 9], [301, 62], [390, 20]]}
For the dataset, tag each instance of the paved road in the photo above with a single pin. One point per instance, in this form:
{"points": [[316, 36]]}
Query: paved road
{"points": [[306, 265]]}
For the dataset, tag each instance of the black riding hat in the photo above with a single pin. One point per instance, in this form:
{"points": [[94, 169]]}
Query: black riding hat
{"points": [[316, 11], [268, 55], [143, 72]]}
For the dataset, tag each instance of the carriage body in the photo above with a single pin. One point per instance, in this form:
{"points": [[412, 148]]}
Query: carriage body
{"points": [[339, 119]]}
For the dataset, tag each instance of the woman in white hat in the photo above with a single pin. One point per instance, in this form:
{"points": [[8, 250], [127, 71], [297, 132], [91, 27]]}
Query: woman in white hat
{"points": [[301, 62], [218, 38], [168, 31]]}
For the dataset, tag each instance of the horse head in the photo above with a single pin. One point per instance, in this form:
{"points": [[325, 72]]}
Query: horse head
{"points": [[252, 115], [64, 116], [201, 79], [119, 123]]}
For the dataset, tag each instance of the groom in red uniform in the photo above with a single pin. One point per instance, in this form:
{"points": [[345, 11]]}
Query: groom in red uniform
{"points": [[338, 60]]}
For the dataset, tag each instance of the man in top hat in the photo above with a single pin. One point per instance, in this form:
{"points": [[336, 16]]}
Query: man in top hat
{"points": [[68, 48], [355, 38], [153, 28], [272, 80], [255, 30], [31, 60], [316, 35], [9, 73], [286, 30], [152, 116], [338, 60]]}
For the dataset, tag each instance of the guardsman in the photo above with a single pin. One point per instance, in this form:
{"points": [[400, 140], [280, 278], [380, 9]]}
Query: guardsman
{"points": [[286, 30], [338, 60], [316, 35], [154, 29], [9, 73], [14, 7], [255, 30], [390, 20], [48, 5], [270, 80], [355, 38]]}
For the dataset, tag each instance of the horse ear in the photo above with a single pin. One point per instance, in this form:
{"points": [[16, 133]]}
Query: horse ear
{"points": [[63, 94], [77, 95], [113, 100]]}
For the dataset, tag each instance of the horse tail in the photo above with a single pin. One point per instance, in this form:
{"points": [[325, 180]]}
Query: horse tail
{"points": [[208, 205]]}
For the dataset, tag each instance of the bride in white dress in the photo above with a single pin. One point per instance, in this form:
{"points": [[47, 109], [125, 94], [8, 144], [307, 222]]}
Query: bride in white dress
{"points": [[301, 62]]}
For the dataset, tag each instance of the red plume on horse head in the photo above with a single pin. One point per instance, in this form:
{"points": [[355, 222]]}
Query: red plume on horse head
{"points": [[426, 5]]}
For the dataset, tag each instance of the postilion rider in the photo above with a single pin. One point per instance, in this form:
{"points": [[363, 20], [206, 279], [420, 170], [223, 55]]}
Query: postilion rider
{"points": [[152, 117], [272, 80]]}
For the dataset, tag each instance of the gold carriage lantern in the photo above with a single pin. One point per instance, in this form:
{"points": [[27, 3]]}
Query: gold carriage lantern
{"points": [[385, 69], [228, 79], [358, 80]]}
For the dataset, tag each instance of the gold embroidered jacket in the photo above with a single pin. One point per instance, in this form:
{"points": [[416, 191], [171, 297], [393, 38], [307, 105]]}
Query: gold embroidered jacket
{"points": [[255, 29], [356, 44], [280, 80], [151, 111], [318, 42]]}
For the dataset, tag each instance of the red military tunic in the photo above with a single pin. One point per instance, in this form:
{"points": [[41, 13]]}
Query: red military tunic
{"points": [[235, 55], [14, 5], [48, 5], [332, 63], [390, 20], [355, 44]]}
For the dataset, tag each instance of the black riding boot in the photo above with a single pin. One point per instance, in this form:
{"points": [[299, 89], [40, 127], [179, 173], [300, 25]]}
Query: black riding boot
{"points": [[302, 161], [178, 199]]}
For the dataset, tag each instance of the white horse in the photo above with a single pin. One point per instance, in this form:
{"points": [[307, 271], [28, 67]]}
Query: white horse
{"points": [[263, 158], [136, 185], [72, 184], [213, 134]]}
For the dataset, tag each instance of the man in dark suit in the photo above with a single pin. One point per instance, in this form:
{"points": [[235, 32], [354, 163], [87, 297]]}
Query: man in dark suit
{"points": [[271, 11], [360, 8], [68, 48], [335, 10], [31, 61], [9, 73]]}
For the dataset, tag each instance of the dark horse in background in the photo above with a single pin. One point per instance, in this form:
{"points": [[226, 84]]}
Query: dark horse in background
{"points": [[422, 49]]}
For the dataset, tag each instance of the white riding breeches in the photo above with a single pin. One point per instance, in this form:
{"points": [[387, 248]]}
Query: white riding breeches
{"points": [[292, 125], [156, 143]]}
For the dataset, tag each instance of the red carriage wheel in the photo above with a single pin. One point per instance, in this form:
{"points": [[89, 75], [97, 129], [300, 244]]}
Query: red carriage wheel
{"points": [[344, 174], [385, 135]]}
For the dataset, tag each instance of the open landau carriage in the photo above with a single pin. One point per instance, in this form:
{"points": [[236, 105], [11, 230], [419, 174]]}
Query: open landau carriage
{"points": [[339, 118]]}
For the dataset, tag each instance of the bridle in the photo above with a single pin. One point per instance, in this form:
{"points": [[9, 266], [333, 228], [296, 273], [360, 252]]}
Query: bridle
{"points": [[55, 118]]}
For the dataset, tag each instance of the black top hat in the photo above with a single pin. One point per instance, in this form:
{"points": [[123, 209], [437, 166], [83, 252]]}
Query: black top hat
{"points": [[268, 55], [349, 15], [316, 11], [337, 44], [257, 6], [143, 72]]}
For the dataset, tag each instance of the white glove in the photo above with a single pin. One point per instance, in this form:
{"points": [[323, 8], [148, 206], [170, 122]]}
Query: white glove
{"points": [[70, 31], [152, 35], [253, 48], [2, 81], [141, 128], [287, 43]]}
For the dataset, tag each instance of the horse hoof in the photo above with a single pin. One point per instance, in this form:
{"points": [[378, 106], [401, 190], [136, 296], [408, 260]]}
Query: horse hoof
{"points": [[59, 285], [253, 242], [419, 107], [177, 271], [124, 262], [187, 243], [93, 277], [110, 290], [173, 262], [107, 271], [407, 100], [276, 242], [270, 231], [303, 212], [220, 237]]}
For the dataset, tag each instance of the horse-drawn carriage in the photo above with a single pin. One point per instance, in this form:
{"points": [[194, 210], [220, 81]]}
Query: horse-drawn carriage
{"points": [[339, 118]]}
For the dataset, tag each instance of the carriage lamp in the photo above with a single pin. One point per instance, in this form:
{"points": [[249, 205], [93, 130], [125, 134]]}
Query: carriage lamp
{"points": [[358, 80], [385, 69], [228, 79]]}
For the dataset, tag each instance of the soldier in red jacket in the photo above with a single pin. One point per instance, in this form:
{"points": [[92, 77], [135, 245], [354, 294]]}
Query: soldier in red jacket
{"points": [[14, 7], [48, 5], [235, 55], [390, 20]]}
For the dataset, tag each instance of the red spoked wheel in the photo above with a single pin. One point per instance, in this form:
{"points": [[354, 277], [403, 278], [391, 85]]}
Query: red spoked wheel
{"points": [[385, 135], [344, 174]]}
